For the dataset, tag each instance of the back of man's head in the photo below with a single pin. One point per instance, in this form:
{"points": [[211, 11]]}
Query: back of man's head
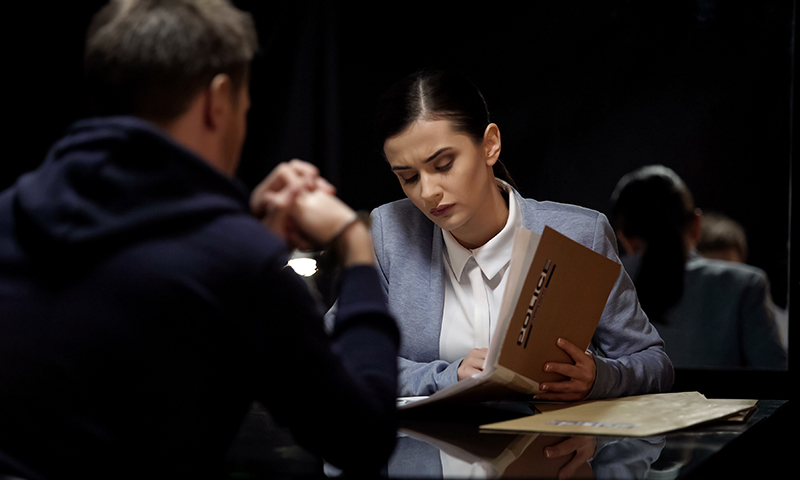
{"points": [[722, 237], [149, 58]]}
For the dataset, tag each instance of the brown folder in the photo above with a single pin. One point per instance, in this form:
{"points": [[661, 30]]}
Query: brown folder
{"points": [[557, 288], [564, 295]]}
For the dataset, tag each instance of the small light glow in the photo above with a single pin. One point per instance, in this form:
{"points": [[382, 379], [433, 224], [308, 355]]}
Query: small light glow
{"points": [[304, 266]]}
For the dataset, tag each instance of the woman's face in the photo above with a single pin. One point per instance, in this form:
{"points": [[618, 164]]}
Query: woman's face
{"points": [[446, 174]]}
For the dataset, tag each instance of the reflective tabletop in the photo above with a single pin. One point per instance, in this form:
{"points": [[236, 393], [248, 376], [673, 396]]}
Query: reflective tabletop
{"points": [[448, 443]]}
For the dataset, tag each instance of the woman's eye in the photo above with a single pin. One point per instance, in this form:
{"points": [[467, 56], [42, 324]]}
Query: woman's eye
{"points": [[445, 167], [410, 179]]}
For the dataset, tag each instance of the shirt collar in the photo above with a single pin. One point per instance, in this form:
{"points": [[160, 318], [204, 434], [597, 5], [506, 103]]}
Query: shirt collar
{"points": [[494, 254]]}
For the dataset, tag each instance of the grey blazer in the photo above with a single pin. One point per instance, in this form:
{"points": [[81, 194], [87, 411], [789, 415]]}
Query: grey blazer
{"points": [[628, 351], [724, 319]]}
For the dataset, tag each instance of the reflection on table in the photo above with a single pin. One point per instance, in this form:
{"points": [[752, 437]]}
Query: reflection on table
{"points": [[454, 448], [447, 443]]}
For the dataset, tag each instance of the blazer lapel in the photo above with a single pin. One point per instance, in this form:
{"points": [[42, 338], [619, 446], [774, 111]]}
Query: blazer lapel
{"points": [[433, 297]]}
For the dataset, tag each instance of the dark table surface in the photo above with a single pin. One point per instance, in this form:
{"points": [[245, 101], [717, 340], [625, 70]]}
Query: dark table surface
{"points": [[448, 444]]}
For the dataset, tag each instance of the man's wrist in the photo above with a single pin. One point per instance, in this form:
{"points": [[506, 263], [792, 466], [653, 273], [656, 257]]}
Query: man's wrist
{"points": [[353, 244]]}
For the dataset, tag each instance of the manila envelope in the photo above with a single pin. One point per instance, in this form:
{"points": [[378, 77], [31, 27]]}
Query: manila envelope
{"points": [[635, 416]]}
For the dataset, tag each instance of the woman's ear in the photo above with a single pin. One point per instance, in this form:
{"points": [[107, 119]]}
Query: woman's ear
{"points": [[491, 144], [631, 245]]}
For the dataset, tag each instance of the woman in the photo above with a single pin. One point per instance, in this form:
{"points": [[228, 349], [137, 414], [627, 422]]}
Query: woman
{"points": [[711, 313], [444, 251]]}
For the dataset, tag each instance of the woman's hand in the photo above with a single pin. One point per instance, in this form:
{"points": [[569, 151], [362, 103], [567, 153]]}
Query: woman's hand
{"points": [[581, 375], [472, 363], [583, 447]]}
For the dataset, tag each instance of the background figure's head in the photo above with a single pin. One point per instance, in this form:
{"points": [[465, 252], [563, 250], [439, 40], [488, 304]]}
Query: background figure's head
{"points": [[149, 58], [435, 95], [722, 238], [654, 215]]}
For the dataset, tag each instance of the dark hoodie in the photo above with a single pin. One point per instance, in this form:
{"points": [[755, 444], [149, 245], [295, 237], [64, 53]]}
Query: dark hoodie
{"points": [[142, 310]]}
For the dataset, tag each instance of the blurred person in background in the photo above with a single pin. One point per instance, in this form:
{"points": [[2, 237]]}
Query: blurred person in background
{"points": [[711, 313], [723, 238]]}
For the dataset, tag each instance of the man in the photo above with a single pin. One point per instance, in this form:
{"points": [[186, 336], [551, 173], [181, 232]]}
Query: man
{"points": [[722, 237], [143, 308]]}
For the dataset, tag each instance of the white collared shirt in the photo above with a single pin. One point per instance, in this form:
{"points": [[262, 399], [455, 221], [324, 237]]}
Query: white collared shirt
{"points": [[474, 284]]}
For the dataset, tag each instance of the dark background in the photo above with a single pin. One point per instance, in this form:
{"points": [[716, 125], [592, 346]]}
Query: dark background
{"points": [[583, 92]]}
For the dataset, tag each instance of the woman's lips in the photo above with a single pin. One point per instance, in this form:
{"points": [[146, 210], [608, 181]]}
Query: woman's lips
{"points": [[439, 211]]}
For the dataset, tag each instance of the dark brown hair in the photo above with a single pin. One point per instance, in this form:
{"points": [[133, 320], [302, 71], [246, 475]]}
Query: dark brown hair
{"points": [[653, 204], [435, 95], [720, 232]]}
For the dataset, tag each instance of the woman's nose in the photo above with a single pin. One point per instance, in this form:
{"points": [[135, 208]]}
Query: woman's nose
{"points": [[431, 189]]}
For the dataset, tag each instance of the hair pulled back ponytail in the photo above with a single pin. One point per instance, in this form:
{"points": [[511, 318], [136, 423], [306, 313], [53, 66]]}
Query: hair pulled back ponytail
{"points": [[654, 205], [435, 95]]}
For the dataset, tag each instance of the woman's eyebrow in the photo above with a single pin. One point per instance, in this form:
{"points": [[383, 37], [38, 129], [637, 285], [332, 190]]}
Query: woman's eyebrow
{"points": [[438, 152], [428, 160]]}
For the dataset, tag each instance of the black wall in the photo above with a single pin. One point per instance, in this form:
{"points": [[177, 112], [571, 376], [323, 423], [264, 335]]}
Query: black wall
{"points": [[583, 92]]}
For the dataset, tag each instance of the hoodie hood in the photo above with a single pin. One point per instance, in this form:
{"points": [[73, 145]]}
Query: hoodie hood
{"points": [[110, 179]]}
